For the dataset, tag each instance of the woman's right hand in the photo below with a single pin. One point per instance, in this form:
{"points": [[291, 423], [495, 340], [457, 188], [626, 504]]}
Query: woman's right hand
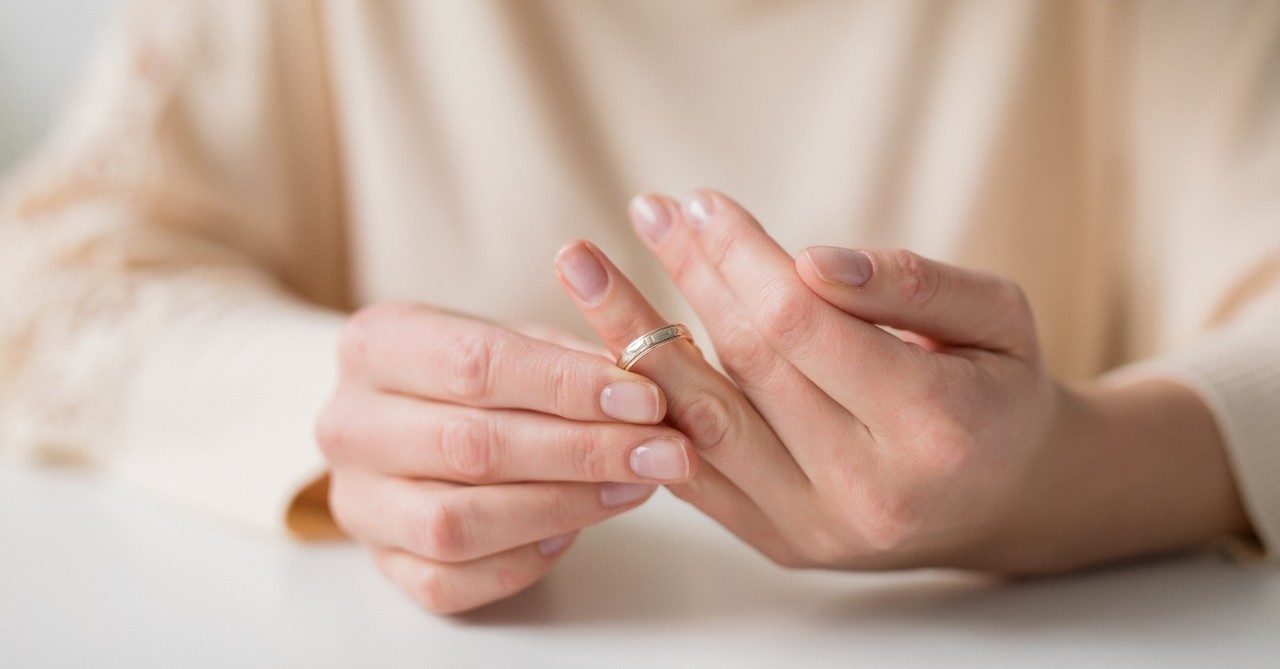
{"points": [[466, 456]]}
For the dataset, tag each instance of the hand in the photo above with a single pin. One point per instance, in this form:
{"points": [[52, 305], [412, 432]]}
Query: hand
{"points": [[466, 456], [839, 444]]}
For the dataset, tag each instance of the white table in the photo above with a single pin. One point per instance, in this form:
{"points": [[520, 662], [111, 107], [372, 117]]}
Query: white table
{"points": [[94, 576]]}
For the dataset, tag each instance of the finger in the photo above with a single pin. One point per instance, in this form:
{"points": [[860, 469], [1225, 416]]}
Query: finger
{"points": [[801, 414], [712, 493], [406, 436], [861, 366], [452, 588], [951, 305], [703, 404], [418, 351], [451, 523], [561, 338]]}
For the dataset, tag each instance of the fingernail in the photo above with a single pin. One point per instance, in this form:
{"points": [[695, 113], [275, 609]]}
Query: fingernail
{"points": [[583, 271], [843, 267], [630, 401], [660, 459], [619, 494], [553, 545], [651, 217], [698, 210]]}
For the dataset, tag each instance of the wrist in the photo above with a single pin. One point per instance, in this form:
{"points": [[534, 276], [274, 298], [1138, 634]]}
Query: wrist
{"points": [[1129, 470]]}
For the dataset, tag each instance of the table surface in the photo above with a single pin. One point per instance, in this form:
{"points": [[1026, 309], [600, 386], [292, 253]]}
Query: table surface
{"points": [[93, 575]]}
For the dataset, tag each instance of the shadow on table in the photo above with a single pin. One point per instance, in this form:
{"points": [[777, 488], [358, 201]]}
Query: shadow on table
{"points": [[620, 575], [1128, 599]]}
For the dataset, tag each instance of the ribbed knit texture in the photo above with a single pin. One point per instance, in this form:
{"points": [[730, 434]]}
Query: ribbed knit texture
{"points": [[230, 165]]}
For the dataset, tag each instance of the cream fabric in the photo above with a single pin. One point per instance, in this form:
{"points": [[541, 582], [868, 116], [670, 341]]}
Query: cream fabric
{"points": [[235, 173]]}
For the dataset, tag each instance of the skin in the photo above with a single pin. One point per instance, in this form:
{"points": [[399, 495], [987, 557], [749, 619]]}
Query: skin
{"points": [[465, 456], [828, 442]]}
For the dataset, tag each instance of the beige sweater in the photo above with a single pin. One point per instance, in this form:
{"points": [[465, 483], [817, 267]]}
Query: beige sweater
{"points": [[234, 174]]}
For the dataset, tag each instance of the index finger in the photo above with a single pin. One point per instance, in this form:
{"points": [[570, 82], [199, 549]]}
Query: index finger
{"points": [[843, 355], [415, 350]]}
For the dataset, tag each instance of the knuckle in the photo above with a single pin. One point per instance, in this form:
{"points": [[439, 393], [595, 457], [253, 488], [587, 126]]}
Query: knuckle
{"points": [[566, 508], [721, 248], [360, 333], [356, 339], [567, 511], [590, 461], [467, 447], [929, 401], [1012, 300], [469, 367], [567, 382], [442, 533], [684, 264], [332, 431], [562, 383], [918, 279], [705, 419], [947, 447], [433, 591], [886, 519], [508, 579], [784, 312], [1010, 295], [746, 356], [943, 439]]}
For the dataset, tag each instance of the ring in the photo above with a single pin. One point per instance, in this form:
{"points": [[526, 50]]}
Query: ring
{"points": [[640, 346]]}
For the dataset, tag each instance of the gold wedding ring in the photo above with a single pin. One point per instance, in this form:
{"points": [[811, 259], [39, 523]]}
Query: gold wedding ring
{"points": [[640, 346]]}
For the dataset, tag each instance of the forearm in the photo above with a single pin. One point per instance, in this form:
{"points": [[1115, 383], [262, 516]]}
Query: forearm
{"points": [[1134, 469]]}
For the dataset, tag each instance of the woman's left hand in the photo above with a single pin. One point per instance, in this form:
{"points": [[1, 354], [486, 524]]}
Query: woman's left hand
{"points": [[839, 444]]}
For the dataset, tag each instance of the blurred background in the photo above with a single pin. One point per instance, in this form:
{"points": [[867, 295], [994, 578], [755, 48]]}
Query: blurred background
{"points": [[42, 46]]}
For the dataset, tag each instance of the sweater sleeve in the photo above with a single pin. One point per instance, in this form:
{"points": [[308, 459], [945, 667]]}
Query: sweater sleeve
{"points": [[1206, 257], [171, 266]]}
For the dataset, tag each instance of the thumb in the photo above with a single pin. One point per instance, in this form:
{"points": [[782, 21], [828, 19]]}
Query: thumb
{"points": [[951, 305]]}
